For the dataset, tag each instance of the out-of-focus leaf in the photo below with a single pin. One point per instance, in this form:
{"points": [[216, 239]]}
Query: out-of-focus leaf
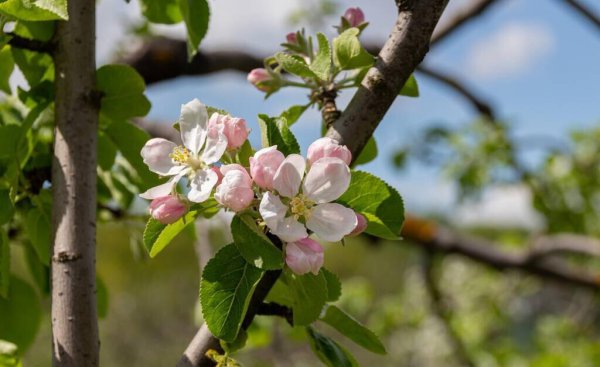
{"points": [[161, 11], [123, 92], [368, 153], [21, 314], [329, 352], [410, 88], [352, 329]]}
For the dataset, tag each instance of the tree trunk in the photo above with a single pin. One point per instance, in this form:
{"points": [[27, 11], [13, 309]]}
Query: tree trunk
{"points": [[74, 321]]}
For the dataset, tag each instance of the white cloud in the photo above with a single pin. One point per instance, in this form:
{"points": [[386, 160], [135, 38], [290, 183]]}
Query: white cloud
{"points": [[513, 49]]}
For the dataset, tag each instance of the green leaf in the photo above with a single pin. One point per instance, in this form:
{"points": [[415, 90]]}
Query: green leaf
{"points": [[334, 287], [161, 11], [35, 10], [107, 152], [196, 15], [348, 53], [380, 204], [254, 246], [309, 294], [352, 329], [277, 132], [35, 66], [227, 285], [157, 236], [6, 207], [42, 31], [410, 88], [368, 153], [7, 64], [294, 65], [123, 92], [244, 153], [9, 354], [10, 136], [40, 273], [329, 352], [38, 227], [321, 66], [101, 298], [4, 264], [130, 139], [292, 114], [21, 314]]}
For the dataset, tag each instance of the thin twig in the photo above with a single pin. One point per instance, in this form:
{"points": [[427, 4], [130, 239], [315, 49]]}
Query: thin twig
{"points": [[459, 19], [30, 44], [585, 12]]}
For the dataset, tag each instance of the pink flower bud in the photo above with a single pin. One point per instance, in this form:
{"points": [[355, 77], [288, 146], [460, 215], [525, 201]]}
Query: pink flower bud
{"points": [[235, 191], [291, 37], [361, 225], [304, 256], [327, 147], [354, 16], [263, 166], [258, 78], [234, 129], [167, 209]]}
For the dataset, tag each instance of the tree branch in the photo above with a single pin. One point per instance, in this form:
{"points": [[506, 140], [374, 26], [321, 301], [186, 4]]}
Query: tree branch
{"points": [[459, 19], [74, 320], [401, 54], [585, 12], [428, 235], [30, 44]]}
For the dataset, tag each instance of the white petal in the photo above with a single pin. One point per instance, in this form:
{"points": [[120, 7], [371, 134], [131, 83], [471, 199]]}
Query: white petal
{"points": [[272, 210], [193, 122], [290, 230], [201, 185], [331, 221], [216, 143], [327, 179], [156, 156], [164, 189], [289, 175]]}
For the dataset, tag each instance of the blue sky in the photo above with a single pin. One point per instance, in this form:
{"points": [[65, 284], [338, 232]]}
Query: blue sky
{"points": [[536, 61]]}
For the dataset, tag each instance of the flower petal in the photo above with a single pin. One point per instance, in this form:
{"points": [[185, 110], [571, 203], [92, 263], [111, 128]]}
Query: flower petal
{"points": [[202, 184], [272, 210], [156, 156], [290, 230], [289, 175], [164, 189], [193, 122], [327, 179], [331, 221], [216, 144]]}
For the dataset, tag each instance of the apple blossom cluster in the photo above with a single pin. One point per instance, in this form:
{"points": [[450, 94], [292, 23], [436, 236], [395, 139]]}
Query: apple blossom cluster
{"points": [[292, 197]]}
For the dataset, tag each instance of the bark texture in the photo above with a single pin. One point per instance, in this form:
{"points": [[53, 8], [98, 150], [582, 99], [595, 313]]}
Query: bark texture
{"points": [[74, 321]]}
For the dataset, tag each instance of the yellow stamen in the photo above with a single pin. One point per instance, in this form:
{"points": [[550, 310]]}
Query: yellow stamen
{"points": [[301, 206], [180, 155]]}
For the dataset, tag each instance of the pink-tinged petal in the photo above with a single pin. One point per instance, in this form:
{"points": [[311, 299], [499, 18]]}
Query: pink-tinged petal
{"points": [[193, 122], [289, 175], [236, 198], [272, 210], [331, 221], [327, 147], [327, 179], [290, 230], [155, 154], [216, 144], [361, 225], [201, 185], [164, 189], [236, 167], [304, 256], [167, 209], [264, 165]]}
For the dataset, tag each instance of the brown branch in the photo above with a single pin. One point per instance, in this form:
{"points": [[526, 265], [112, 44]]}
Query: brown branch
{"points": [[401, 54], [459, 19], [480, 106], [565, 243], [428, 235], [30, 44], [585, 12], [74, 319]]}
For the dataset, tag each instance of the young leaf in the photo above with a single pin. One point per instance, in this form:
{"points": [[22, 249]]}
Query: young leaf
{"points": [[321, 66], [101, 298], [7, 64], [38, 227], [9, 354], [107, 151], [21, 314], [123, 90], [309, 294], [410, 88], [6, 207], [9, 139], [57, 7], [348, 53], [157, 236], [294, 65], [334, 287], [352, 329], [368, 153], [292, 114], [161, 11], [254, 246], [196, 14], [35, 11], [35, 66], [381, 204], [227, 284], [329, 352], [244, 153], [4, 264], [277, 132]]}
